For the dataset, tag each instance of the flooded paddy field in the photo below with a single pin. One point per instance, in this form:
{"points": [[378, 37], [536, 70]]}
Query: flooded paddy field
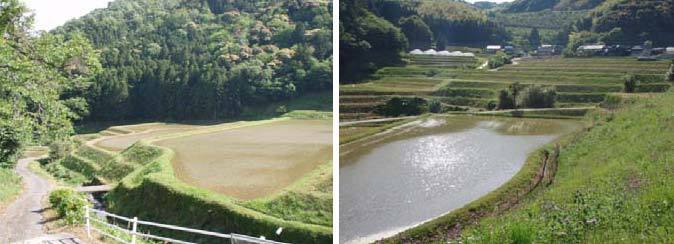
{"points": [[253, 161], [135, 133], [392, 182]]}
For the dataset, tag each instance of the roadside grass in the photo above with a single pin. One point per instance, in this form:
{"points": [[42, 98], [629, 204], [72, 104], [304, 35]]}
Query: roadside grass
{"points": [[10, 186], [613, 185]]}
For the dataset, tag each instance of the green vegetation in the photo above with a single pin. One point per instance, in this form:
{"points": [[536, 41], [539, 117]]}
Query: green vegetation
{"points": [[398, 106], [42, 80], [69, 205], [498, 60], [11, 185], [375, 33], [612, 185], [556, 5], [204, 60]]}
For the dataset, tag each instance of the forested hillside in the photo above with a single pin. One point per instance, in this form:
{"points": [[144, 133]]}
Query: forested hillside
{"points": [[556, 5], [43, 82], [630, 22], [374, 32], [206, 59]]}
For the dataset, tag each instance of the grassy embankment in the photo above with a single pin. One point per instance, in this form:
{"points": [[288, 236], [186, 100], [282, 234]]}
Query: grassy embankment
{"points": [[580, 82], [613, 184], [303, 209]]}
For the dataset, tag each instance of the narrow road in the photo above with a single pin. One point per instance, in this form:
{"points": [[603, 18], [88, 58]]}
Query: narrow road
{"points": [[22, 220]]}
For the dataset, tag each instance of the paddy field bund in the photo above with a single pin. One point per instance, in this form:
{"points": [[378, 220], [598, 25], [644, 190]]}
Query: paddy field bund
{"points": [[148, 164]]}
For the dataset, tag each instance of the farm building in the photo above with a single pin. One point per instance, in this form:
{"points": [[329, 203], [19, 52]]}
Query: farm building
{"points": [[492, 49], [417, 52], [548, 50], [669, 50], [430, 52], [592, 50], [509, 50], [637, 50], [617, 50], [657, 51]]}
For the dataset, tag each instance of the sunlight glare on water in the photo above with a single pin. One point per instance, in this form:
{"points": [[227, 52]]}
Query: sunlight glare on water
{"points": [[405, 181]]}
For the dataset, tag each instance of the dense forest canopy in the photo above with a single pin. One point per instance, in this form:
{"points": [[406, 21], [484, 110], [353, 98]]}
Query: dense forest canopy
{"points": [[631, 22], [373, 33], [205, 59], [43, 82], [555, 5]]}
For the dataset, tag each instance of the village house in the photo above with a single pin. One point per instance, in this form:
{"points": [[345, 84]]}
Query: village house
{"points": [[548, 50], [592, 50], [637, 50], [492, 49]]}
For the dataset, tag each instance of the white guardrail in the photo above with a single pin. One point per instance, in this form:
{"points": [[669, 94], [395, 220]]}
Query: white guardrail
{"points": [[134, 233]]}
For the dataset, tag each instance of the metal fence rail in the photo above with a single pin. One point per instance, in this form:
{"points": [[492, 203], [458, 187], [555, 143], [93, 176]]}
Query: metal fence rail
{"points": [[134, 234]]}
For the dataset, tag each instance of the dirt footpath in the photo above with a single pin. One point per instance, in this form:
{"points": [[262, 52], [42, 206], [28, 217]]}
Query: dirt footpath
{"points": [[22, 220]]}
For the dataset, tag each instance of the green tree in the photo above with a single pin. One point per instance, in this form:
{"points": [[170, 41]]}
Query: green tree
{"points": [[41, 80], [534, 38], [417, 32]]}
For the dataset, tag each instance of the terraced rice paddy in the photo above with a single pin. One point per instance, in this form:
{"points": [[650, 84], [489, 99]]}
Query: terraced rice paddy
{"points": [[580, 82], [254, 161], [122, 137], [245, 160]]}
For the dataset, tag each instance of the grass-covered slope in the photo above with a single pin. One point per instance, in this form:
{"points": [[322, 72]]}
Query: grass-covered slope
{"points": [[613, 185]]}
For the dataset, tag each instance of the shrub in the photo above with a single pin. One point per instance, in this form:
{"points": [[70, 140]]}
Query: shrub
{"points": [[538, 97], [498, 60], [434, 106], [10, 145], [281, 109], [69, 205], [59, 150], [403, 106], [492, 105], [432, 73], [630, 83], [505, 100]]}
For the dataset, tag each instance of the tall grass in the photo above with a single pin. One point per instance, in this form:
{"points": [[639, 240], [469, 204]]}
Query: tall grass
{"points": [[10, 185]]}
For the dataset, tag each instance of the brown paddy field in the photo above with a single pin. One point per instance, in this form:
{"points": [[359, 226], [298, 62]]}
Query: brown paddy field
{"points": [[252, 161], [138, 132]]}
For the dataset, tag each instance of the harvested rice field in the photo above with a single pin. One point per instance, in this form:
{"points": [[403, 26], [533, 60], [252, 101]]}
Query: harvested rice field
{"points": [[122, 137], [252, 161]]}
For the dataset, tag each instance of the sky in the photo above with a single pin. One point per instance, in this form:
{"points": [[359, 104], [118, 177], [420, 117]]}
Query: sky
{"points": [[50, 14]]}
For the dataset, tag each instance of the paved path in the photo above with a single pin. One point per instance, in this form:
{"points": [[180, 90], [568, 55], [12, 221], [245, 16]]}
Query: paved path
{"points": [[22, 220], [53, 239], [92, 189]]}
